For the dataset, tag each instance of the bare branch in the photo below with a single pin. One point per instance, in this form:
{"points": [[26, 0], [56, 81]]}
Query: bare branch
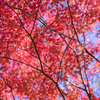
{"points": [[74, 85], [8, 86], [63, 57], [29, 36], [40, 71], [31, 55], [55, 84], [20, 62], [78, 38], [35, 16], [85, 70]]}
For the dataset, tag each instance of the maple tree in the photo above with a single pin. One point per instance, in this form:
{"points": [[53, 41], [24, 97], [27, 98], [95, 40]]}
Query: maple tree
{"points": [[44, 49]]}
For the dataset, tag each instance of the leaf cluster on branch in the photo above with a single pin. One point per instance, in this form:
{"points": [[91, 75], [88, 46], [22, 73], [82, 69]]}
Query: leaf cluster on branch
{"points": [[45, 49]]}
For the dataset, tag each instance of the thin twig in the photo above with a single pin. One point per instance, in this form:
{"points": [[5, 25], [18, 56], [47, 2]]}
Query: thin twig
{"points": [[63, 57], [35, 16], [85, 70], [74, 85], [20, 62]]}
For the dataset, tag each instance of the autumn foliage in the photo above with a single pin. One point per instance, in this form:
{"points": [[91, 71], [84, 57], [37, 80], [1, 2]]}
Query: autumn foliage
{"points": [[46, 52]]}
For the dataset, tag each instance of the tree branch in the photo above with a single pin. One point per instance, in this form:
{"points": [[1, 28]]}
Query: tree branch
{"points": [[39, 71], [8, 86], [85, 70], [20, 62], [29, 36], [74, 85], [78, 38], [63, 57], [31, 55], [35, 16]]}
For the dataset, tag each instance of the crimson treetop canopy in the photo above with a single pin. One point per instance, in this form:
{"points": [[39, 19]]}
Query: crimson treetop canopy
{"points": [[46, 49]]}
